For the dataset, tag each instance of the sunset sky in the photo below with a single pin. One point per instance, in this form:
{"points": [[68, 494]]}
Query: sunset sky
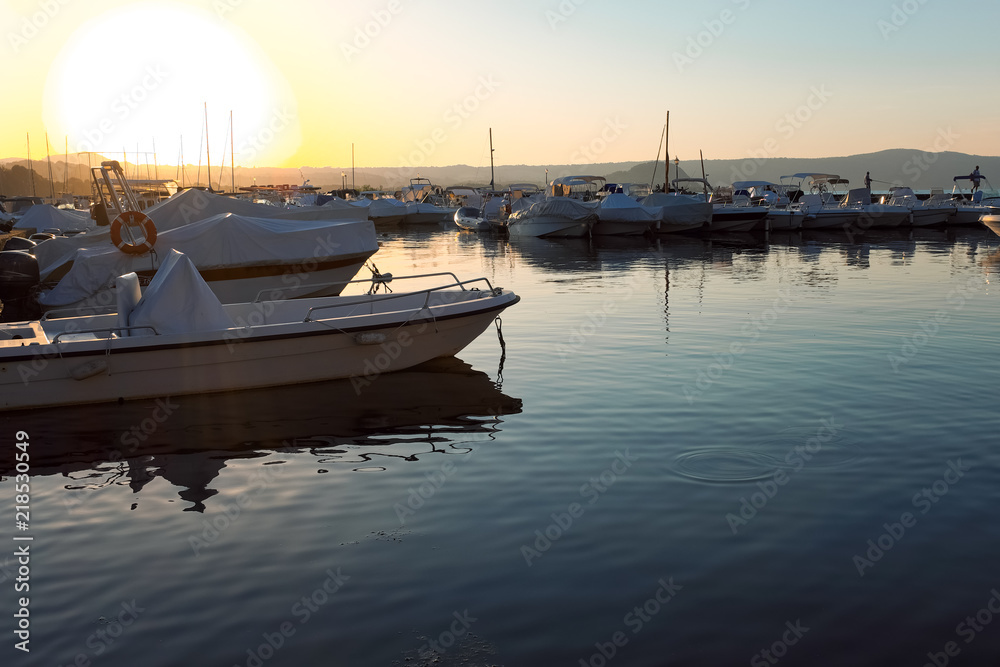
{"points": [[419, 83]]}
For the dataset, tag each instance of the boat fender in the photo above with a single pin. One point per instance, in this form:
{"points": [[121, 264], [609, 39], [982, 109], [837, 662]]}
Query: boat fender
{"points": [[133, 219], [369, 338], [89, 369]]}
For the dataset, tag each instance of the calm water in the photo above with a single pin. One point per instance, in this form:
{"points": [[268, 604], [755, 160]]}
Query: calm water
{"points": [[695, 452]]}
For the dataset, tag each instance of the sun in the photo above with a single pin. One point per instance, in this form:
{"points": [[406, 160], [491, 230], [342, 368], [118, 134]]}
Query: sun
{"points": [[143, 74]]}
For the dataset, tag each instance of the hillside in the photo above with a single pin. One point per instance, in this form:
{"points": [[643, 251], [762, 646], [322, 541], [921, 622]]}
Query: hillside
{"points": [[915, 168]]}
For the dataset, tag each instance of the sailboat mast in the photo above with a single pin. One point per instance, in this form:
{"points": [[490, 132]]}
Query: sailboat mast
{"points": [[156, 165], [492, 177], [66, 168], [354, 185], [232, 153], [48, 158], [704, 180], [31, 166], [208, 153], [666, 159]]}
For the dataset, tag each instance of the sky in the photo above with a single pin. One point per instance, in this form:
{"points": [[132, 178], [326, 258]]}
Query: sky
{"points": [[422, 82]]}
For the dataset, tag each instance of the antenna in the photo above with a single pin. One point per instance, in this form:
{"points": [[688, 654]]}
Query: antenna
{"points": [[208, 153]]}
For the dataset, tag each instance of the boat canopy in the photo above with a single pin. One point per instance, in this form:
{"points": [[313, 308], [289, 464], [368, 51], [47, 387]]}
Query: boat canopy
{"points": [[178, 300], [46, 216], [815, 177], [746, 185]]}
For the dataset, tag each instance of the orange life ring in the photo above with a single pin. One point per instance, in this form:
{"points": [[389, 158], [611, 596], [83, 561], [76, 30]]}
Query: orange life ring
{"points": [[133, 219]]}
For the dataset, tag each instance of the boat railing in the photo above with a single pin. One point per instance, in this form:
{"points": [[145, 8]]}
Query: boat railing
{"points": [[402, 295], [59, 313], [374, 281]]}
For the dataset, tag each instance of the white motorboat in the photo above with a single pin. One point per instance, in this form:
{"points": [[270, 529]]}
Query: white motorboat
{"points": [[178, 338], [621, 215], [992, 222], [968, 207], [730, 213], [821, 202], [879, 215], [679, 213], [556, 217], [782, 215], [925, 213], [420, 210], [238, 256], [471, 218]]}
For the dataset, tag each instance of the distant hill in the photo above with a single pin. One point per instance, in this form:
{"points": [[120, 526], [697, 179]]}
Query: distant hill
{"points": [[911, 167]]}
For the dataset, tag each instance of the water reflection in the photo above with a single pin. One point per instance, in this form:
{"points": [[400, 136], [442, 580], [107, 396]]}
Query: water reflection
{"points": [[437, 407]]}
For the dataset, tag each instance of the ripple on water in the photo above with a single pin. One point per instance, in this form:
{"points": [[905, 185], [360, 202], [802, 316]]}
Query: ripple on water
{"points": [[759, 460]]}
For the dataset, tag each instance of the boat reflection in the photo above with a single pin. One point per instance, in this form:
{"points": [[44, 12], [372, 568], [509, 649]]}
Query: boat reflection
{"points": [[442, 406]]}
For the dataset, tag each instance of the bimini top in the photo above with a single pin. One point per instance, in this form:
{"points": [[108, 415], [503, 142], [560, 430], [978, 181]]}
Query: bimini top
{"points": [[745, 185], [816, 177]]}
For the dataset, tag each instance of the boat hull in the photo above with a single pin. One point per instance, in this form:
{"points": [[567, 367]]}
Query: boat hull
{"points": [[621, 227], [826, 219], [550, 227], [929, 217], [784, 219], [735, 220]]}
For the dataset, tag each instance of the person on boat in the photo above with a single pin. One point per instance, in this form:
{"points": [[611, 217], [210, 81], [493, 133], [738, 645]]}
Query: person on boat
{"points": [[975, 176], [868, 180]]}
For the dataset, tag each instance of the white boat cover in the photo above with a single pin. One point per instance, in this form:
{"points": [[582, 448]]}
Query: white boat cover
{"points": [[193, 205], [560, 207], [225, 240], [182, 209], [179, 300], [384, 208], [46, 216], [622, 208], [679, 209]]}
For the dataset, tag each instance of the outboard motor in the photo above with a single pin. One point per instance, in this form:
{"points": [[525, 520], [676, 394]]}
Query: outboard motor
{"points": [[19, 243], [18, 276]]}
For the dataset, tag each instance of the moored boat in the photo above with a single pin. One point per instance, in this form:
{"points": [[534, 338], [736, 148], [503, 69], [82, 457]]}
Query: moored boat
{"points": [[178, 338]]}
